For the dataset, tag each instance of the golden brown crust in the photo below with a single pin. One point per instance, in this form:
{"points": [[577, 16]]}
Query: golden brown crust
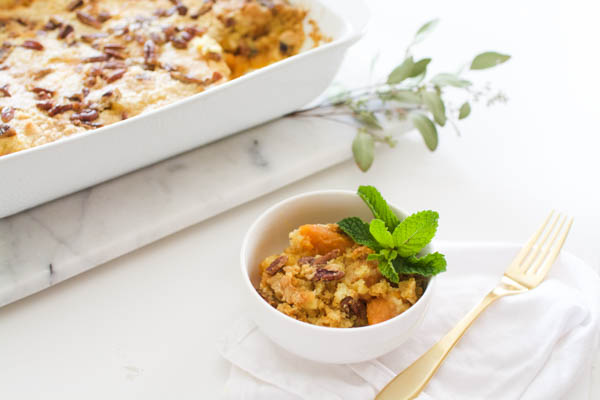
{"points": [[67, 66]]}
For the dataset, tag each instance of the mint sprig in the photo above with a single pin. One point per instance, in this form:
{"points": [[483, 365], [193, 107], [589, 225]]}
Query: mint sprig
{"points": [[396, 243]]}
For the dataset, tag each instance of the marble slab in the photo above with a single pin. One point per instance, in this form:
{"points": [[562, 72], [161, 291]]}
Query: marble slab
{"points": [[52, 242]]}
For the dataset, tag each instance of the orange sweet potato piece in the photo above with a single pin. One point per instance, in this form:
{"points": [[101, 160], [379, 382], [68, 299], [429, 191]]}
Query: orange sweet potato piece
{"points": [[325, 238], [379, 310]]}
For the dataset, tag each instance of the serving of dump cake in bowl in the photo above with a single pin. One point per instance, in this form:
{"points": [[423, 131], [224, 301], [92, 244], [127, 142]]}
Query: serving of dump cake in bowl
{"points": [[67, 66]]}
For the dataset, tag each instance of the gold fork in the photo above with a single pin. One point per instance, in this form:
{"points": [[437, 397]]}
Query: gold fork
{"points": [[526, 271]]}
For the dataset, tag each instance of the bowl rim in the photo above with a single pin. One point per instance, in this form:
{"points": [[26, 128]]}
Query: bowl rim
{"points": [[306, 325]]}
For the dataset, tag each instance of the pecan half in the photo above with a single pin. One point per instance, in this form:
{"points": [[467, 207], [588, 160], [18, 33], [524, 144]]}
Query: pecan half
{"points": [[88, 19], [74, 5], [327, 257], [118, 74], [352, 306], [64, 31], [32, 45], [7, 114], [323, 274], [276, 265], [6, 131], [150, 56], [4, 90], [43, 94], [86, 115]]}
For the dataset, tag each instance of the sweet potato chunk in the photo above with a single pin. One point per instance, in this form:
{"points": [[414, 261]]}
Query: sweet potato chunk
{"points": [[379, 310], [325, 238]]}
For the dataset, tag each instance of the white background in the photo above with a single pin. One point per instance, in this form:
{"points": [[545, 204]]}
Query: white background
{"points": [[144, 325]]}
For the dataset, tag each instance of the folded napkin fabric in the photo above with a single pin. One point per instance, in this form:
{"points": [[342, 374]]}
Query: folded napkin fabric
{"points": [[536, 345]]}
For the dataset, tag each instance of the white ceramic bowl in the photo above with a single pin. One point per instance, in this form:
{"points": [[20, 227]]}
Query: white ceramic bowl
{"points": [[269, 235]]}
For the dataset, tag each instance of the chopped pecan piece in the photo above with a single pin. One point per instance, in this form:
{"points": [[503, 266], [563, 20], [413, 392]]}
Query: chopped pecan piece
{"points": [[5, 51], [88, 19], [99, 58], [32, 45], [306, 260], [45, 106], [150, 56], [323, 274], [90, 38], [74, 5], [6, 131], [90, 81], [181, 9], [179, 43], [39, 74], [118, 74], [216, 76], [206, 7], [114, 53], [7, 114], [42, 94], [104, 16], [59, 109], [114, 46], [64, 31], [185, 78], [276, 265], [327, 257], [86, 115], [4, 90], [351, 306], [52, 24], [115, 64]]}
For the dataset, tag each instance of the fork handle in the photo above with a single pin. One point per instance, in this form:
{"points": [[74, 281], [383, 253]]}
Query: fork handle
{"points": [[410, 382]]}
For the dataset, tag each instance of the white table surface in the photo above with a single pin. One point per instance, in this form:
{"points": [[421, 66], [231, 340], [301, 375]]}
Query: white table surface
{"points": [[145, 325]]}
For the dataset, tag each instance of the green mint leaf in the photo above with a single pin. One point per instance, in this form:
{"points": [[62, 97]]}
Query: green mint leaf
{"points": [[424, 30], [387, 269], [381, 234], [429, 265], [464, 111], [450, 80], [488, 59], [363, 149], [359, 232], [434, 103], [415, 232], [420, 67], [427, 129], [378, 206], [401, 72]]}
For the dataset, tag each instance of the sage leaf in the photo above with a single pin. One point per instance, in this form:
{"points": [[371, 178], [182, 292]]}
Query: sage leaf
{"points": [[488, 59], [427, 129], [401, 72], [464, 111], [434, 103], [401, 96], [419, 67], [425, 30], [363, 149], [367, 118], [450, 80]]}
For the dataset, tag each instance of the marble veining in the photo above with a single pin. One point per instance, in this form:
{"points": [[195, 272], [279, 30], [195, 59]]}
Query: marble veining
{"points": [[52, 242]]}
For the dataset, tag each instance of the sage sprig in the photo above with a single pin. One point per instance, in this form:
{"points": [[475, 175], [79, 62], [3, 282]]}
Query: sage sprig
{"points": [[406, 94]]}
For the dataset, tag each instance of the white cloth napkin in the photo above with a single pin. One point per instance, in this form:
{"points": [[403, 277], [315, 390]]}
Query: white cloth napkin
{"points": [[537, 345]]}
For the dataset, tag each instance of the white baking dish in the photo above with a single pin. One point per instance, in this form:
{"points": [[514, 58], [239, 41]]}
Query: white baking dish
{"points": [[37, 175]]}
